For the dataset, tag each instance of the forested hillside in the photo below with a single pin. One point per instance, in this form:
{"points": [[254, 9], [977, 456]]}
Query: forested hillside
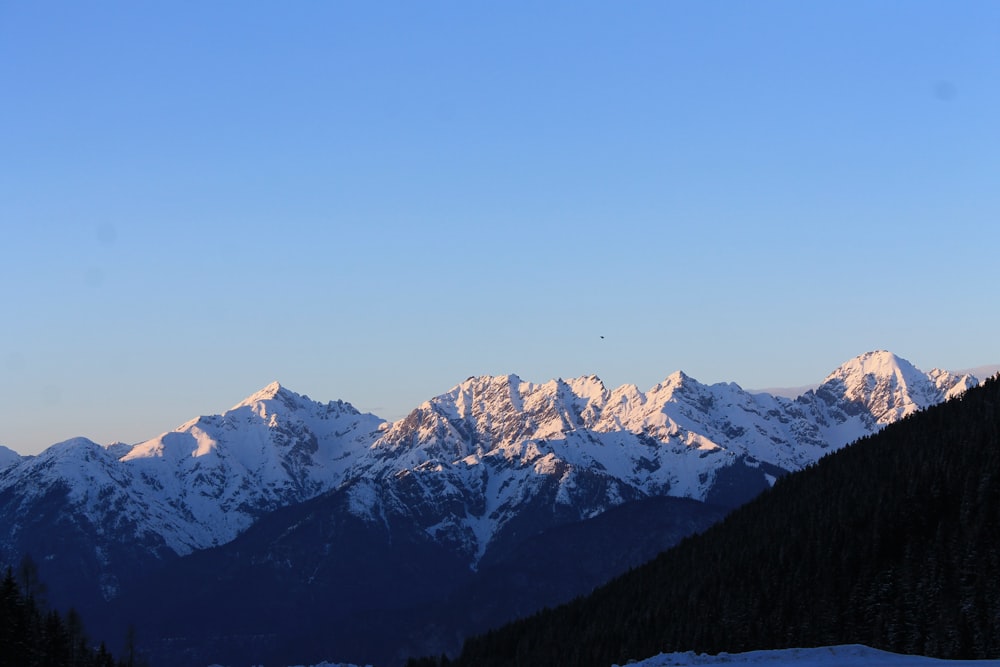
{"points": [[32, 636], [893, 542]]}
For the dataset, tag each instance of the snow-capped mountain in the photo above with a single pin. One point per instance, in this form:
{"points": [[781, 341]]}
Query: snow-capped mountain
{"points": [[889, 388], [492, 460], [208, 480], [466, 464], [108, 512]]}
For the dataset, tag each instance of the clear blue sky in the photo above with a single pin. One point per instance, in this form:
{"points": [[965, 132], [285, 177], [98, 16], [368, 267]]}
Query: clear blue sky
{"points": [[372, 201]]}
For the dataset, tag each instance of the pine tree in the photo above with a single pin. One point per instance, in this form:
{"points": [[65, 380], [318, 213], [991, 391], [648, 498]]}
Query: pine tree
{"points": [[30, 636]]}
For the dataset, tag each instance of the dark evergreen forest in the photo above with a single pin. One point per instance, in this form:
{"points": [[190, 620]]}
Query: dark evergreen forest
{"points": [[893, 542], [31, 636]]}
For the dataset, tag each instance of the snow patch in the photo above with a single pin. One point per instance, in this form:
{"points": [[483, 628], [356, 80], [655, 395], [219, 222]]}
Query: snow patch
{"points": [[850, 655]]}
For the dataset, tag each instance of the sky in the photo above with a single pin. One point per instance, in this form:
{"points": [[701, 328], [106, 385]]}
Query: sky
{"points": [[372, 201]]}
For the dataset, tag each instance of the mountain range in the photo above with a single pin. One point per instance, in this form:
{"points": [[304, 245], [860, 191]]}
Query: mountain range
{"points": [[890, 542], [471, 482]]}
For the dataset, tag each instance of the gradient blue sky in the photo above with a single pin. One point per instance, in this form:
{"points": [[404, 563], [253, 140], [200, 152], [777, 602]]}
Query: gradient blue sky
{"points": [[373, 201]]}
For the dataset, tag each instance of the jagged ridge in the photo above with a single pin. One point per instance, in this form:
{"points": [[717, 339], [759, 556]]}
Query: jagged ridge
{"points": [[491, 458]]}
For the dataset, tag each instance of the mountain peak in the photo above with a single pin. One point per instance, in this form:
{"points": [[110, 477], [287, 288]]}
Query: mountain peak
{"points": [[675, 380], [268, 393], [589, 387], [889, 386], [484, 381], [878, 363], [881, 358], [271, 390]]}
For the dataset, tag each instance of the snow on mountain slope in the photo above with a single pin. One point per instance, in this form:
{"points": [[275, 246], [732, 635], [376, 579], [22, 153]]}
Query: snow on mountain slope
{"points": [[203, 483], [467, 463], [74, 509], [210, 478], [91, 479], [8, 457], [850, 655], [889, 388], [493, 459]]}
